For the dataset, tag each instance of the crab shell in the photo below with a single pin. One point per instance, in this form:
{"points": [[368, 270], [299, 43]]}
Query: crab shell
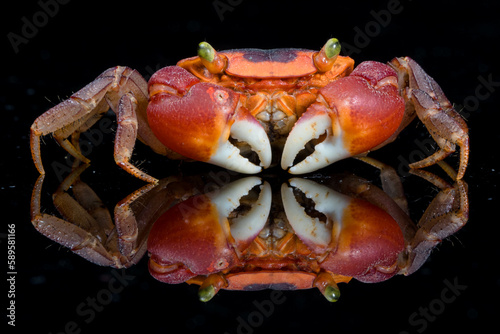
{"points": [[194, 242], [199, 109]]}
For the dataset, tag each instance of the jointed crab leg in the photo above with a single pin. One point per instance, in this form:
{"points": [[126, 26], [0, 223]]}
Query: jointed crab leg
{"points": [[447, 213], [86, 226], [120, 88], [434, 110], [79, 231], [126, 135]]}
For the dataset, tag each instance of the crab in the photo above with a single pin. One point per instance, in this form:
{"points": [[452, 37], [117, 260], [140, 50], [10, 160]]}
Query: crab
{"points": [[245, 109], [241, 235]]}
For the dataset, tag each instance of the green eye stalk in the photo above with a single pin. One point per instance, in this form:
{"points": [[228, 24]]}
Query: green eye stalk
{"points": [[210, 286], [210, 58], [326, 57], [326, 284]]}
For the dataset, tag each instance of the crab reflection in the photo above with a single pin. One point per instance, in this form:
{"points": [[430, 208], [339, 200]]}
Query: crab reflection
{"points": [[252, 233]]}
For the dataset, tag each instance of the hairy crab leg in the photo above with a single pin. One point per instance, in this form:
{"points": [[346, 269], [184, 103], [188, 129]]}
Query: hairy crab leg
{"points": [[86, 105], [136, 214], [126, 135], [432, 107], [76, 128]]}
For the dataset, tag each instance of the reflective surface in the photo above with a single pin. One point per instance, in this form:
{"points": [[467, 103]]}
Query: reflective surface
{"points": [[221, 230]]}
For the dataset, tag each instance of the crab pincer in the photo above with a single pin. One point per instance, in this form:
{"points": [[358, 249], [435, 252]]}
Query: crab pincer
{"points": [[197, 119], [361, 240], [351, 116], [202, 222]]}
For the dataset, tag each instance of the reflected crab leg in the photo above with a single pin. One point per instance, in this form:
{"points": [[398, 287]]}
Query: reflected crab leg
{"points": [[446, 214], [69, 234]]}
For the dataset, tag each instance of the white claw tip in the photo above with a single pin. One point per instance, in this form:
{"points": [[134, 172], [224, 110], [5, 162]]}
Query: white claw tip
{"points": [[331, 149], [249, 131]]}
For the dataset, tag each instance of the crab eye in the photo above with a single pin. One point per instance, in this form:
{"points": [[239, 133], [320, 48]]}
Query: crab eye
{"points": [[326, 57], [210, 58], [332, 48], [206, 51], [331, 293]]}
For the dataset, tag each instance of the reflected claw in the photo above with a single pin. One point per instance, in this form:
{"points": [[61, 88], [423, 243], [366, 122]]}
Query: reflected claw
{"points": [[315, 234], [246, 227], [227, 198]]}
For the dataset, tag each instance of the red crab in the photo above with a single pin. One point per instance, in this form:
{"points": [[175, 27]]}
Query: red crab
{"points": [[241, 108]]}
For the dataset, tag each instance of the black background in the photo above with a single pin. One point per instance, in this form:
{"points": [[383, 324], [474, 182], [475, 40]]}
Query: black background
{"points": [[454, 42]]}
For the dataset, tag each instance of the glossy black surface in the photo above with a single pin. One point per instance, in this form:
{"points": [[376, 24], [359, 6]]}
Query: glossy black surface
{"points": [[56, 291]]}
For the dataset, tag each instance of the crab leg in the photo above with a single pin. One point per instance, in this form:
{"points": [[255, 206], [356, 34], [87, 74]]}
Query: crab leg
{"points": [[86, 106], [126, 135], [80, 231], [447, 213], [432, 107]]}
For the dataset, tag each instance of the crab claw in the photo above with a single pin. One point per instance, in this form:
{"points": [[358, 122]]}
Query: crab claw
{"points": [[201, 223], [359, 239], [314, 233], [197, 119], [244, 227], [191, 223], [351, 116]]}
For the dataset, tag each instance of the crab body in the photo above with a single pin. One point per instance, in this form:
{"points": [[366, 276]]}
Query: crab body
{"points": [[248, 109]]}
